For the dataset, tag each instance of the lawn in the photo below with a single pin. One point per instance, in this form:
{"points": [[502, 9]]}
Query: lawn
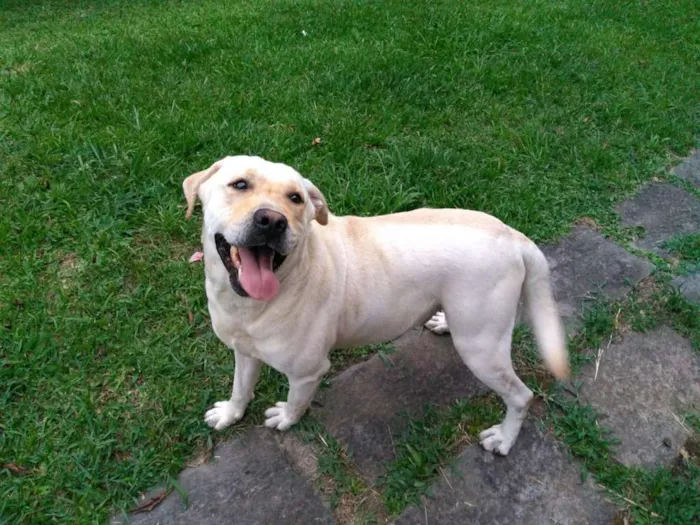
{"points": [[540, 112]]}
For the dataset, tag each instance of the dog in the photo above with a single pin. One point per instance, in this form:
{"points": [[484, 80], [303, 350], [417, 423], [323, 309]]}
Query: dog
{"points": [[287, 282]]}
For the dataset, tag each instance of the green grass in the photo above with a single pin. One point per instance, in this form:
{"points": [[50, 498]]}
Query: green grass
{"points": [[661, 495], [539, 112], [686, 248], [428, 444], [333, 461], [346, 357], [348, 495], [659, 305]]}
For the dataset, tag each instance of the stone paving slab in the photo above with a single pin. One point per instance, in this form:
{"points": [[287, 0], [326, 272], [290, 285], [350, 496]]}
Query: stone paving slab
{"points": [[366, 404], [535, 484], [585, 266], [689, 169], [250, 482], [689, 286], [663, 210], [644, 383]]}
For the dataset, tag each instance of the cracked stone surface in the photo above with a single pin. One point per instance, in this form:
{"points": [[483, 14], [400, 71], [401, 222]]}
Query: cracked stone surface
{"points": [[689, 169], [251, 482], [535, 484], [664, 211], [644, 384], [366, 404], [689, 286], [585, 266]]}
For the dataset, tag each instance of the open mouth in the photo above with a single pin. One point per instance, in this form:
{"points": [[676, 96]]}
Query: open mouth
{"points": [[251, 269]]}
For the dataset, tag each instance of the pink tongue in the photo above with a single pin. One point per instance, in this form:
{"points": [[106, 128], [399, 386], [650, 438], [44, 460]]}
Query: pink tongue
{"points": [[256, 276]]}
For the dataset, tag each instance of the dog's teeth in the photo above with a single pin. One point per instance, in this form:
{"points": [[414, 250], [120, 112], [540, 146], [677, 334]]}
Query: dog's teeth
{"points": [[235, 257], [272, 259]]}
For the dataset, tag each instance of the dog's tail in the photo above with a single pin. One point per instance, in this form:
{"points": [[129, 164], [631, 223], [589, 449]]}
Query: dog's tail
{"points": [[543, 312]]}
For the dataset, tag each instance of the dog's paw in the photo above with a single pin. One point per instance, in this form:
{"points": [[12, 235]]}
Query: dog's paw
{"points": [[223, 414], [438, 323], [495, 440], [279, 416]]}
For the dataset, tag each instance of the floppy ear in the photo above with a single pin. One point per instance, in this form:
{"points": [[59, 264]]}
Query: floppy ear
{"points": [[319, 202], [192, 183]]}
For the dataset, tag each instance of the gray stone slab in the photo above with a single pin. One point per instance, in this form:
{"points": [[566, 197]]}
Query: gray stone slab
{"points": [[663, 210], [643, 385], [689, 169], [535, 484], [249, 483], [689, 286], [366, 405], [585, 266]]}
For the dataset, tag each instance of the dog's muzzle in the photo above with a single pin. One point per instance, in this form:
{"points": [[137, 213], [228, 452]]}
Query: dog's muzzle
{"points": [[252, 264]]}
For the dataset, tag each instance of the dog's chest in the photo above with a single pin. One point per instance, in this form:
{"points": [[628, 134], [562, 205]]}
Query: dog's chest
{"points": [[246, 331], [231, 331], [266, 349]]}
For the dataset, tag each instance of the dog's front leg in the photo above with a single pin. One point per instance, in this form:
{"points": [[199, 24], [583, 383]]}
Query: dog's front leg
{"points": [[301, 392], [245, 375]]}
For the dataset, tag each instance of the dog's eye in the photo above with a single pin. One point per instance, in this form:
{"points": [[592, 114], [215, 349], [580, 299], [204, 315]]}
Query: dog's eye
{"points": [[240, 184], [296, 198]]}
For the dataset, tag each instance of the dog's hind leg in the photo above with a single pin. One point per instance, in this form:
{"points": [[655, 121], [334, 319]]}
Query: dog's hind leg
{"points": [[489, 361], [438, 323], [482, 337]]}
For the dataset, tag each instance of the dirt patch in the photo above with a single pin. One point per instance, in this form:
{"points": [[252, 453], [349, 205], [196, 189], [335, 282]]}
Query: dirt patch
{"points": [[69, 271], [202, 455], [588, 221], [352, 500], [689, 453], [122, 456], [624, 517], [133, 395], [17, 69], [302, 457], [175, 250], [353, 509]]}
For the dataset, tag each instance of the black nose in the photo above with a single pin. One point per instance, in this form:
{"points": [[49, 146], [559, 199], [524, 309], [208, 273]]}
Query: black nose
{"points": [[271, 223]]}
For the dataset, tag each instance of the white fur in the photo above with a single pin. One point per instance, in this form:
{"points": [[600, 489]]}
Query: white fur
{"points": [[360, 281]]}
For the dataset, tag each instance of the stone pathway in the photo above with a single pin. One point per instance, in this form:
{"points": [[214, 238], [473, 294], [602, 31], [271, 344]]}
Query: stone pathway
{"points": [[536, 483], [663, 210], [586, 266], [640, 387], [252, 480]]}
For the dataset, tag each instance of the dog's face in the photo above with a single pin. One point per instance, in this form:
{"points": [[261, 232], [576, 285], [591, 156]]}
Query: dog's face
{"points": [[257, 212]]}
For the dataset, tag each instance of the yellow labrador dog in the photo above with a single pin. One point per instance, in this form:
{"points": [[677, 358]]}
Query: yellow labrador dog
{"points": [[287, 282]]}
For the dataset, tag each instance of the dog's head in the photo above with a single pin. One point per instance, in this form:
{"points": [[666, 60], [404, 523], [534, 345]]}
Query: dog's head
{"points": [[257, 212]]}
